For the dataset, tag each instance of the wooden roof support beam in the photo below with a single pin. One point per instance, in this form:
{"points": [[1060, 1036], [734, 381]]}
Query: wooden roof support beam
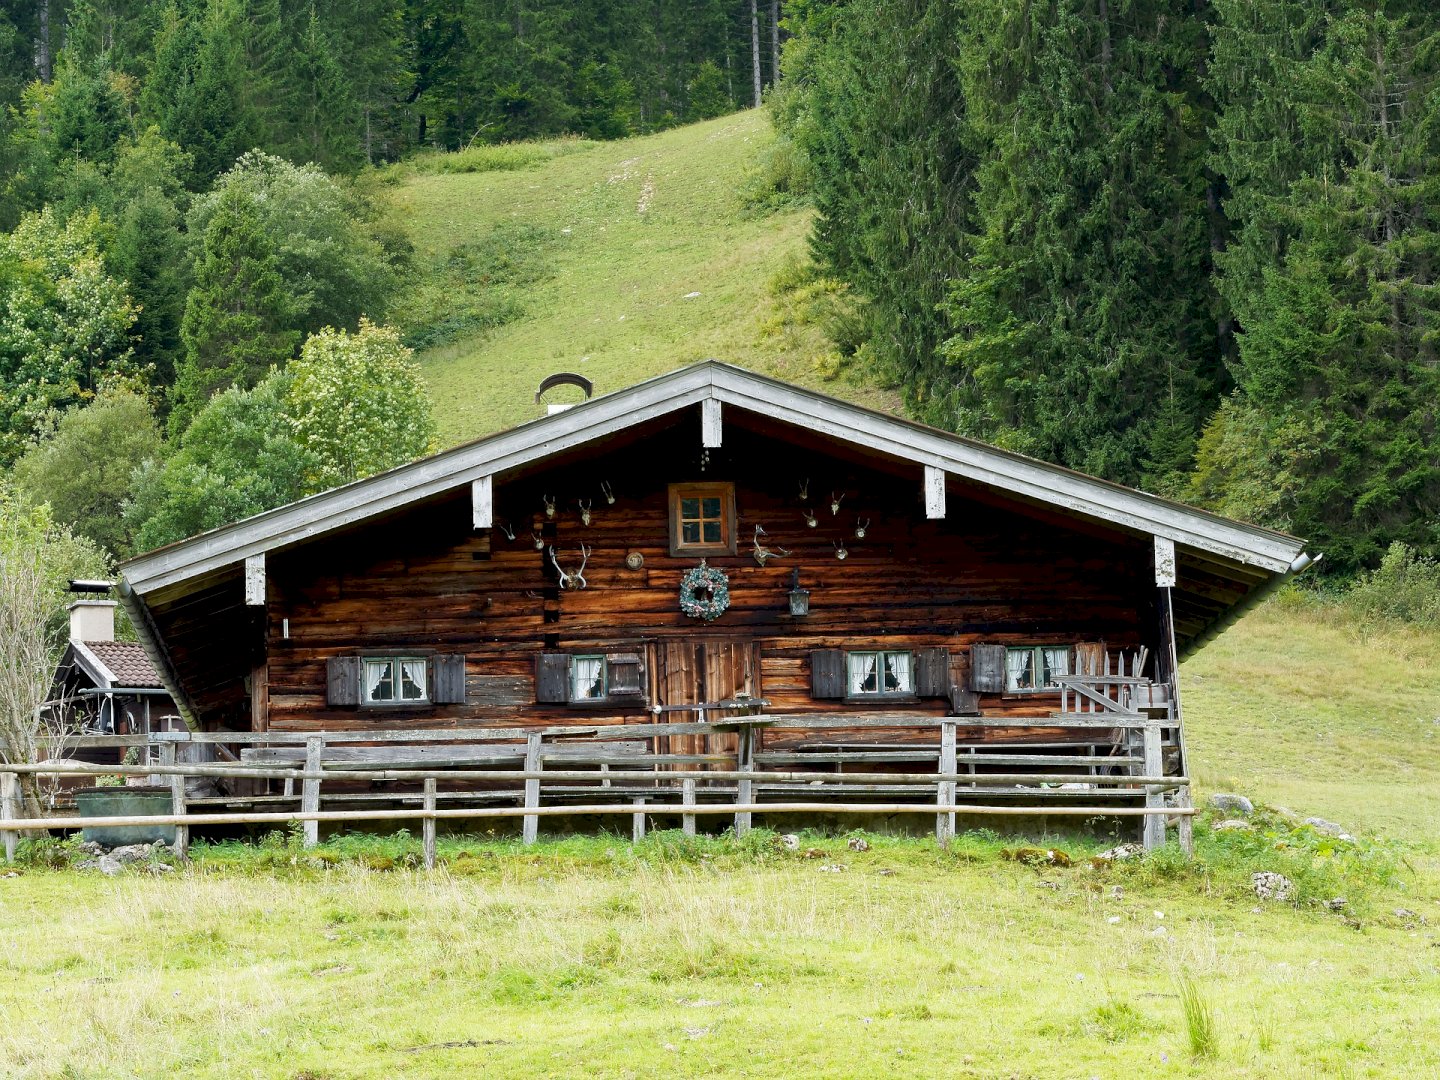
{"points": [[710, 424], [482, 502], [1164, 562], [255, 580], [934, 492]]}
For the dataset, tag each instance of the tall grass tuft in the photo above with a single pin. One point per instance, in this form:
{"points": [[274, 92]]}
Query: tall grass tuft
{"points": [[1200, 1030]]}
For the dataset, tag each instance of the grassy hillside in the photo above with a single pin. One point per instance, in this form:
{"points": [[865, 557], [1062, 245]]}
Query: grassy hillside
{"points": [[1298, 706], [618, 260]]}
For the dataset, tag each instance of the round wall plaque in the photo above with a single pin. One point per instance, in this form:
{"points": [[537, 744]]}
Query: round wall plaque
{"points": [[634, 561]]}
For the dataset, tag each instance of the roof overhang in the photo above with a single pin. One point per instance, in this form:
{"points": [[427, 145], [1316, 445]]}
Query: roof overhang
{"points": [[1025, 478]]}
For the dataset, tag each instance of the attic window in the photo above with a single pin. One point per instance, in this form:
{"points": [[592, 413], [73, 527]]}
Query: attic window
{"points": [[702, 519]]}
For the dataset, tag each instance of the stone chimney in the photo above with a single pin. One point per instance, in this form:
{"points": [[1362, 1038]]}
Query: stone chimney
{"points": [[92, 620]]}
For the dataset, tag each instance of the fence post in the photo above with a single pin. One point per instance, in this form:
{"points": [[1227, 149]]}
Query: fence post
{"points": [[637, 822], [1154, 798], [177, 800], [530, 830], [9, 786], [428, 829], [687, 798], [1185, 826], [310, 788], [945, 789], [744, 762]]}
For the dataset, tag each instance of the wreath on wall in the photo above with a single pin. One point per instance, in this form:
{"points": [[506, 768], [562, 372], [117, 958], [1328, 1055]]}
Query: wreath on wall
{"points": [[704, 592]]}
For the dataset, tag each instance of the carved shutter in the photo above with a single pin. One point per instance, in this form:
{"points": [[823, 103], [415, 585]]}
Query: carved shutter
{"points": [[827, 673], [932, 672], [552, 678], [342, 680], [447, 679], [987, 669], [624, 674]]}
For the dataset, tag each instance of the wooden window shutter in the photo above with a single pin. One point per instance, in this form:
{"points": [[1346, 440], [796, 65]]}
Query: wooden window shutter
{"points": [[932, 673], [552, 678], [342, 680], [827, 673], [623, 670], [987, 669], [447, 679]]}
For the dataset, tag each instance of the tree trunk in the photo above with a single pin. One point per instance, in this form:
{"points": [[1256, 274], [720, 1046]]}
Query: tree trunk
{"points": [[42, 42], [755, 47], [774, 42]]}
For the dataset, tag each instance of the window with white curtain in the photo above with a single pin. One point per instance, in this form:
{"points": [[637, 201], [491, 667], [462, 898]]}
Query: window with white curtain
{"points": [[1035, 667], [587, 678], [873, 673], [396, 679]]}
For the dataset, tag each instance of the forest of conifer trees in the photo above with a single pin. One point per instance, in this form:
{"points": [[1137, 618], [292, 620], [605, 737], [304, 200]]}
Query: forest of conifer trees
{"points": [[1189, 245]]}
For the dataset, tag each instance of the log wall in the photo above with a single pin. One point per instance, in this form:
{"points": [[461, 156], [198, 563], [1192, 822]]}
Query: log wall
{"points": [[426, 581]]}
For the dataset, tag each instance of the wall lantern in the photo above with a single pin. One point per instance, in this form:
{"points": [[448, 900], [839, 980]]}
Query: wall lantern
{"points": [[799, 598]]}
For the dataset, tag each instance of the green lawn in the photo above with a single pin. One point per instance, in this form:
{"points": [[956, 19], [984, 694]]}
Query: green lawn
{"points": [[589, 957], [619, 260]]}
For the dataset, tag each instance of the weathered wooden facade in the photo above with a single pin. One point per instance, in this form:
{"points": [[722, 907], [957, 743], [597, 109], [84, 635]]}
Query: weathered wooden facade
{"points": [[533, 580]]}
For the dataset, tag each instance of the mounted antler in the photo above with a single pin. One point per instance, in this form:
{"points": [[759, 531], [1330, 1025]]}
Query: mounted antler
{"points": [[810, 517], [835, 501], [549, 505], [584, 505], [539, 541], [508, 530], [861, 527], [606, 490], [840, 551], [805, 490], [762, 552], [572, 579]]}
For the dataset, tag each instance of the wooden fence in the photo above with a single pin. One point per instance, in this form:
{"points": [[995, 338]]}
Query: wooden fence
{"points": [[613, 774]]}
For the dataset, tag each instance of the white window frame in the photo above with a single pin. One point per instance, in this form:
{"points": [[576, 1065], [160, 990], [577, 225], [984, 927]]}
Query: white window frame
{"points": [[880, 656], [397, 675], [1038, 667]]}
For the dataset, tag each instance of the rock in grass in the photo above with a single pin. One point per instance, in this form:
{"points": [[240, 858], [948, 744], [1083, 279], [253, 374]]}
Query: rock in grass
{"points": [[857, 843], [1230, 825], [1339, 903], [1269, 885], [1232, 804], [790, 842], [130, 853], [1329, 828], [109, 865], [1119, 854]]}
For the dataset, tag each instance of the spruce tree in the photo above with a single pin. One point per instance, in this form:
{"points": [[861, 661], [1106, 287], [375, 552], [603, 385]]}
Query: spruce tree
{"points": [[1082, 306], [1334, 280], [236, 323]]}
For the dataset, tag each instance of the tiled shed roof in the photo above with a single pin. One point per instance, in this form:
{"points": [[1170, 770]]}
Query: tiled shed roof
{"points": [[128, 664]]}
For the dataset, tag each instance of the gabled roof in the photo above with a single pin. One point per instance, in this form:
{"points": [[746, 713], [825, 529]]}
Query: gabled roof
{"points": [[733, 387], [122, 663]]}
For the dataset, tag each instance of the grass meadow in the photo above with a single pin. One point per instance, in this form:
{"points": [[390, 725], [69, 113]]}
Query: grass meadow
{"points": [[589, 956]]}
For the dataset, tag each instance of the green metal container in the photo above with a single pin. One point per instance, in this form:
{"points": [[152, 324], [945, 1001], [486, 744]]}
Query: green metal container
{"points": [[126, 802]]}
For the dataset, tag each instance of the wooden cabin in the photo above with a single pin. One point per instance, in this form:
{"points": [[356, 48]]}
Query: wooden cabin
{"points": [[710, 540]]}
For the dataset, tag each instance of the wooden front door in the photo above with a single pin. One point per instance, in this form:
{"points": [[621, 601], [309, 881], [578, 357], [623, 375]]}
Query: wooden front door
{"points": [[704, 671]]}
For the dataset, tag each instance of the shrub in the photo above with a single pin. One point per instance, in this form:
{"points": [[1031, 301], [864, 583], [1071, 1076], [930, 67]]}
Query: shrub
{"points": [[1404, 588]]}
